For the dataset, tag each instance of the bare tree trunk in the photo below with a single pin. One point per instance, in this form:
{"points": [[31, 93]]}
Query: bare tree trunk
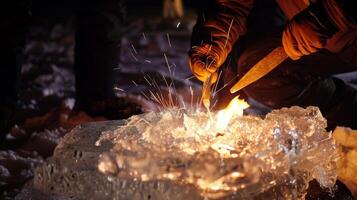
{"points": [[173, 9]]}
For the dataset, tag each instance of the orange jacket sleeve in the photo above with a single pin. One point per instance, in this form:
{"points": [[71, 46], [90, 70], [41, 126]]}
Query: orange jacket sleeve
{"points": [[220, 24]]}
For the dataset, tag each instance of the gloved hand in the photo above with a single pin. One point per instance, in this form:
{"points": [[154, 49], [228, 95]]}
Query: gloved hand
{"points": [[309, 30], [205, 60]]}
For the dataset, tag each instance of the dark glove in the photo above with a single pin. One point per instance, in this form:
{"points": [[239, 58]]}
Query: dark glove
{"points": [[218, 28], [205, 60], [309, 30]]}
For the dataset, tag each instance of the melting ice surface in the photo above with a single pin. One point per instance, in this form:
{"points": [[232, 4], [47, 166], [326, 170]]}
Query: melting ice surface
{"points": [[253, 157]]}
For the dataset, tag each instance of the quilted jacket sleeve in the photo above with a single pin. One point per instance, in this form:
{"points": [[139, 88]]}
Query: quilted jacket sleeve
{"points": [[219, 26]]}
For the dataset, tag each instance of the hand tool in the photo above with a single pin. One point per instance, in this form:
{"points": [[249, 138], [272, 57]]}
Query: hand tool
{"points": [[263, 67], [206, 92]]}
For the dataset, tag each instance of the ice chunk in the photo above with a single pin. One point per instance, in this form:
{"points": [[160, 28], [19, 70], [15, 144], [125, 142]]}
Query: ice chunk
{"points": [[288, 148], [176, 154]]}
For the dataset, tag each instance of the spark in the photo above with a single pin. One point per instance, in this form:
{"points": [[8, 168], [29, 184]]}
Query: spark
{"points": [[209, 114], [190, 77], [151, 79], [136, 59], [170, 97], [191, 92], [170, 72], [217, 82], [170, 103], [178, 25], [119, 89], [171, 87], [226, 84], [156, 98], [164, 79], [173, 66], [168, 39], [136, 85], [147, 80], [148, 61], [144, 36], [182, 103], [145, 95], [229, 31], [132, 46], [167, 62], [153, 97]]}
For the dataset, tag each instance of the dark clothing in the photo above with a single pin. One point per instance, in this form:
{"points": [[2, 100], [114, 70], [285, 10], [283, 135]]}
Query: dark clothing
{"points": [[14, 19], [97, 49], [222, 22], [305, 82]]}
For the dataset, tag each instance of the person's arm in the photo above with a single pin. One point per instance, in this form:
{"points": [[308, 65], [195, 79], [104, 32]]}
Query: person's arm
{"points": [[309, 30], [218, 27]]}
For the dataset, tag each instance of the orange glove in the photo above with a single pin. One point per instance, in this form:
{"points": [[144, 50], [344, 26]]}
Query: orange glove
{"points": [[309, 30], [204, 60], [218, 28]]}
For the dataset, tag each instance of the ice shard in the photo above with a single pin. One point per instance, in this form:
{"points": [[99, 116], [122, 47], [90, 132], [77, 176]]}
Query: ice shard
{"points": [[175, 154]]}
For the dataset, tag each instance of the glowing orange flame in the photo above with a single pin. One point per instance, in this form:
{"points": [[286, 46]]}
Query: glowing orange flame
{"points": [[234, 108]]}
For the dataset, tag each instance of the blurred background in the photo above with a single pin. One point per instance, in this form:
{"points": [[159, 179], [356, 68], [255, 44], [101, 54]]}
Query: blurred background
{"points": [[153, 48]]}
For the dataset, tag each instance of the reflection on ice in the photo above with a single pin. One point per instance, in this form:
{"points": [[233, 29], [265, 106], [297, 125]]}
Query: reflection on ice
{"points": [[277, 155]]}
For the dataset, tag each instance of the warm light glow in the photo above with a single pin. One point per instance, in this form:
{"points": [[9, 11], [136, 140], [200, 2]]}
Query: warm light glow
{"points": [[234, 108], [219, 154]]}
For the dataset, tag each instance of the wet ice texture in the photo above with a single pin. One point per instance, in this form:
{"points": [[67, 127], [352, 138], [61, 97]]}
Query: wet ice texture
{"points": [[177, 155], [283, 152]]}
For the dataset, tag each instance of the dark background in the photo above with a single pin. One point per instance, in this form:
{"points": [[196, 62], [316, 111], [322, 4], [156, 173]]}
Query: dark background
{"points": [[66, 7]]}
